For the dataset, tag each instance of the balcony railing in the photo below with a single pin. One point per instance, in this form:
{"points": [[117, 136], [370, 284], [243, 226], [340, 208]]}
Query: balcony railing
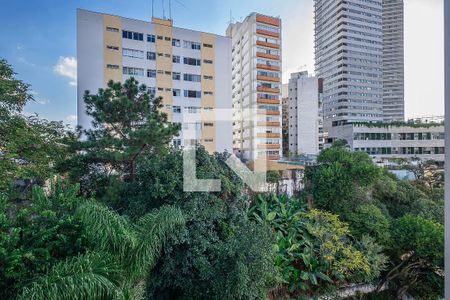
{"points": [[267, 89], [269, 124], [268, 33], [268, 67], [268, 78], [266, 44], [267, 101], [269, 146], [268, 56]]}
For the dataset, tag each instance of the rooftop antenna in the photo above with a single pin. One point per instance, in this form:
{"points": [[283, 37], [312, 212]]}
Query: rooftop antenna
{"points": [[170, 9], [164, 9], [153, 7]]}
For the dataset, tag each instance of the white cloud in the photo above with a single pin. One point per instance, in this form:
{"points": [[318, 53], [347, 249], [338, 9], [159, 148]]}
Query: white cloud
{"points": [[67, 67], [19, 47], [23, 60], [71, 118], [42, 101]]}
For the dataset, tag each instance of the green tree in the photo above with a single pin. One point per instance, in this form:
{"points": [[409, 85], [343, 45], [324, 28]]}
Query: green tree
{"points": [[36, 233], [402, 197], [29, 146], [127, 122], [314, 248], [117, 265], [341, 179], [153, 188], [220, 255], [14, 94], [368, 219], [417, 250]]}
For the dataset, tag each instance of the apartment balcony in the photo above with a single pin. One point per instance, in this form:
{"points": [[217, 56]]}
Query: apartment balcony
{"points": [[269, 124], [268, 33], [268, 135], [268, 78], [268, 112], [269, 157], [267, 90], [269, 146], [268, 67], [269, 45], [267, 101], [268, 20], [268, 56]]}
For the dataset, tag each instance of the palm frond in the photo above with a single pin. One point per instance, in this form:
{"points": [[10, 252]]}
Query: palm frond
{"points": [[153, 231], [107, 229], [88, 276]]}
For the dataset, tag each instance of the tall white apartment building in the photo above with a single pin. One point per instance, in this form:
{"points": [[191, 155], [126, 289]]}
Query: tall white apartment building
{"points": [[393, 61], [305, 129], [191, 70], [349, 58], [256, 83]]}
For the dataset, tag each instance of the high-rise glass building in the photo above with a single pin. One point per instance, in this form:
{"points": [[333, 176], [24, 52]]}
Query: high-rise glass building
{"points": [[349, 58], [256, 87], [393, 61]]}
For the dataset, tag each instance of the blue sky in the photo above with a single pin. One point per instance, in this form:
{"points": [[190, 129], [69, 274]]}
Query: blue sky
{"points": [[39, 34]]}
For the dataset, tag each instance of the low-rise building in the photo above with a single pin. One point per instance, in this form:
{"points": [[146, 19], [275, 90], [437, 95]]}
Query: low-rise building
{"points": [[305, 131], [384, 141]]}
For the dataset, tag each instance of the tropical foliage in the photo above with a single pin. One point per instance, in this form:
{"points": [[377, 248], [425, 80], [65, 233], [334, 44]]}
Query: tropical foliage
{"points": [[120, 226], [314, 248]]}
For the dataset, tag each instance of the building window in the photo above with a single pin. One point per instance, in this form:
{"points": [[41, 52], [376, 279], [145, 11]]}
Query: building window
{"points": [[152, 91], [207, 45], [114, 67], [151, 55], [160, 37], [133, 71], [176, 59], [150, 38], [131, 35], [177, 143], [192, 45], [168, 73], [112, 29], [167, 38], [208, 93], [192, 77], [151, 73], [191, 61], [176, 43], [207, 77], [176, 76], [209, 124], [192, 94], [176, 109], [160, 72], [176, 92], [160, 54], [207, 61], [167, 55], [112, 48], [132, 53], [192, 109]]}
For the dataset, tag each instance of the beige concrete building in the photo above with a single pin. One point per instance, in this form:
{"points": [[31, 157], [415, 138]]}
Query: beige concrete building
{"points": [[191, 70]]}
